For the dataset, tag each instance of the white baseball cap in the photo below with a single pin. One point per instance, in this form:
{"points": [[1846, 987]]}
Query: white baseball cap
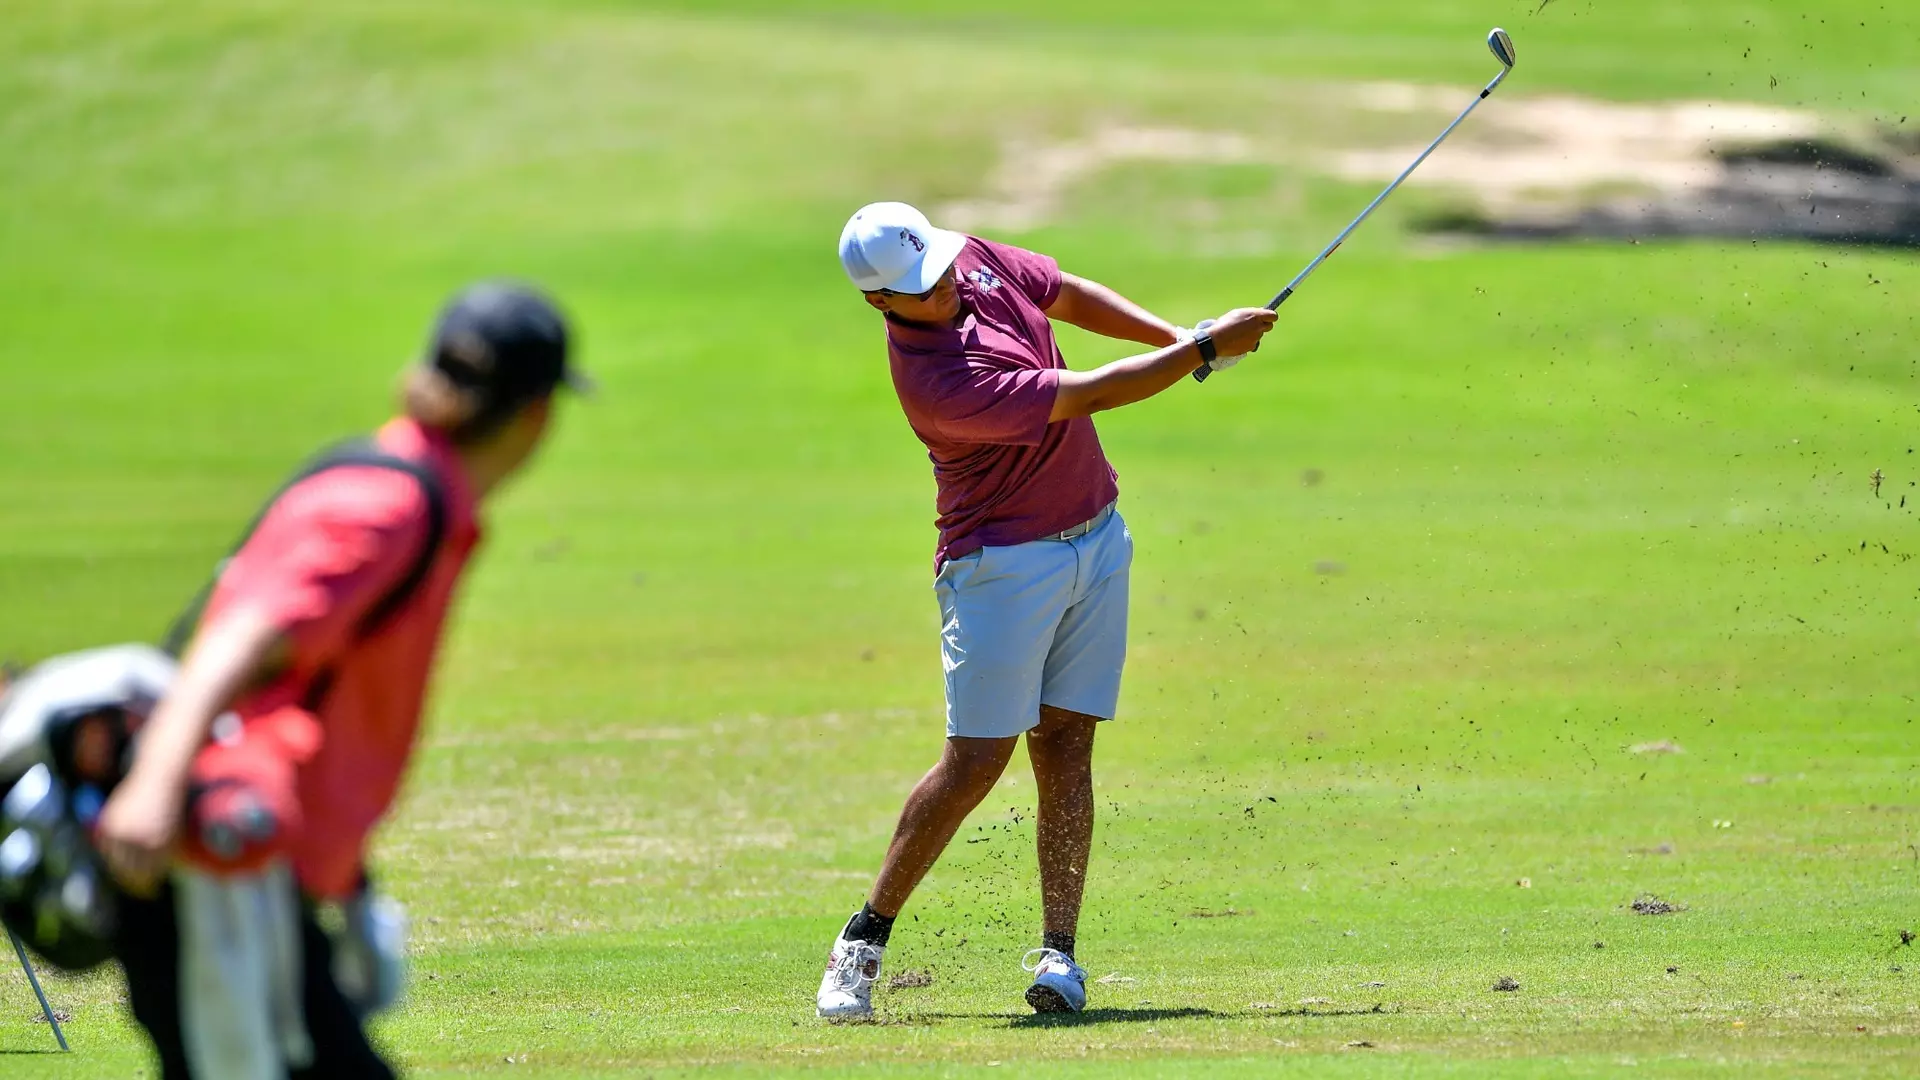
{"points": [[890, 245]]}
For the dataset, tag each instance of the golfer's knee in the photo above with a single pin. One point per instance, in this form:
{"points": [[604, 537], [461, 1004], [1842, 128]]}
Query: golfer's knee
{"points": [[1063, 742], [1062, 727], [973, 766], [1062, 750], [974, 778]]}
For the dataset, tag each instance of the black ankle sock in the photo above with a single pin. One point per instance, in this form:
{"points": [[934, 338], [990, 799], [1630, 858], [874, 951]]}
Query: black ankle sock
{"points": [[869, 926], [1058, 942]]}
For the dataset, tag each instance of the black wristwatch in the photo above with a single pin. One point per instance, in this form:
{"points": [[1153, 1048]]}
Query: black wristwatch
{"points": [[1205, 341]]}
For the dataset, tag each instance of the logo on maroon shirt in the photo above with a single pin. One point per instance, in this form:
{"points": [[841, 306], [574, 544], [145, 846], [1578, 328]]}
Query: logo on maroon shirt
{"points": [[909, 237], [985, 279]]}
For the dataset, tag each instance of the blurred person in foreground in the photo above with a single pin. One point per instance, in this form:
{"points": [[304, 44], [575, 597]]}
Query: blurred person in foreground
{"points": [[283, 739], [1032, 563]]}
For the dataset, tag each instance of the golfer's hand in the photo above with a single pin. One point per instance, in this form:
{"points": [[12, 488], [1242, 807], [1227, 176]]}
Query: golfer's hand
{"points": [[1238, 333], [137, 830], [1218, 363]]}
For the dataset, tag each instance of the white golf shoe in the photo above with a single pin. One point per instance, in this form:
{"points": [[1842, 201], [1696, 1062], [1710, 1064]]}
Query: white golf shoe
{"points": [[1059, 984], [846, 990]]}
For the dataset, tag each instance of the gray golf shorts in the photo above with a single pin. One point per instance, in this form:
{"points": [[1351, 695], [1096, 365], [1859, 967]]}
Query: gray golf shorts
{"points": [[1026, 625]]}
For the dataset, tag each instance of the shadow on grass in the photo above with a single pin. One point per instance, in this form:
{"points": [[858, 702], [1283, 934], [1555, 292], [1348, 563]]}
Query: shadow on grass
{"points": [[1090, 1016], [1113, 1016], [1019, 1021]]}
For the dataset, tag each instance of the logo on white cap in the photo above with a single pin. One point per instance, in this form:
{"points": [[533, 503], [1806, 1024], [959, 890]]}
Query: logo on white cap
{"points": [[890, 245]]}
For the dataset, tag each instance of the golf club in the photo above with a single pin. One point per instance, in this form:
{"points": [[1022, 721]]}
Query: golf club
{"points": [[1502, 48], [46, 1007]]}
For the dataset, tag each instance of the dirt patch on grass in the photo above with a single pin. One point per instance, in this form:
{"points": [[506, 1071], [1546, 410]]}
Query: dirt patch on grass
{"points": [[1660, 746], [1526, 166], [1557, 165], [910, 980], [1522, 147], [1506, 984], [1653, 905]]}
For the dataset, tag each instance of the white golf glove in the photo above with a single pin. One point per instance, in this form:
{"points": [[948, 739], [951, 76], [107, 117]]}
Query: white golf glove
{"points": [[1218, 363], [370, 953]]}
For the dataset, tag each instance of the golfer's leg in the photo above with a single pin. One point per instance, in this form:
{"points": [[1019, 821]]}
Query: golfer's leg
{"points": [[147, 943], [999, 610], [967, 770], [1061, 750], [1080, 687], [240, 973], [340, 1047]]}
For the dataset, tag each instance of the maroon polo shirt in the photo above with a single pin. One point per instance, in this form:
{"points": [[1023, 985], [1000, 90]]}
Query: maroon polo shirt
{"points": [[979, 395]]}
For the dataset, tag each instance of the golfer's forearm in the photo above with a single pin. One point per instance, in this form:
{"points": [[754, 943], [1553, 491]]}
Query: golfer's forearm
{"points": [[1097, 309], [224, 660], [1123, 382]]}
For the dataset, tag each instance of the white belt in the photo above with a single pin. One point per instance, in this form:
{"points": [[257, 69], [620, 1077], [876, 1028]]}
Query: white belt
{"points": [[1086, 526]]}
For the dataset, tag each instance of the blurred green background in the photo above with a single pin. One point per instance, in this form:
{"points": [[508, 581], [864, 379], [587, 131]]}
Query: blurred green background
{"points": [[1411, 586]]}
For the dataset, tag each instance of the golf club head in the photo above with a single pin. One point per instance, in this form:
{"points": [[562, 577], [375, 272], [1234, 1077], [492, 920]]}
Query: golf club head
{"points": [[1501, 46]]}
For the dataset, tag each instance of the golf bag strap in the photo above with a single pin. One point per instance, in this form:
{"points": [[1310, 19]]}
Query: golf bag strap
{"points": [[355, 453]]}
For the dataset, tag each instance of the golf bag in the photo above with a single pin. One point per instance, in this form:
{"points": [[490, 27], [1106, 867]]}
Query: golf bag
{"points": [[68, 730], [66, 739]]}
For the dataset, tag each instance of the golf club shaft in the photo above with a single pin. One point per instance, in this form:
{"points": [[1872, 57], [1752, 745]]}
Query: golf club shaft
{"points": [[1281, 298], [33, 980]]}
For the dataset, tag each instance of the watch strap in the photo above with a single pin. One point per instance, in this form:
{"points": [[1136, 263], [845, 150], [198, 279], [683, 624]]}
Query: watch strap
{"points": [[1205, 341]]}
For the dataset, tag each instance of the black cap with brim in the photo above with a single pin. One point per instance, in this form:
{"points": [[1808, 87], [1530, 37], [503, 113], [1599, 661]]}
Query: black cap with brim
{"points": [[506, 343]]}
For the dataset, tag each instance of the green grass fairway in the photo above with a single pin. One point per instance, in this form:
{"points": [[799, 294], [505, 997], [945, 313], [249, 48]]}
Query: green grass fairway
{"points": [[1386, 738]]}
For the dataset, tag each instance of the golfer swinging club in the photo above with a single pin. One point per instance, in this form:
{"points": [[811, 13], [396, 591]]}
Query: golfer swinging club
{"points": [[319, 635], [1032, 562]]}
